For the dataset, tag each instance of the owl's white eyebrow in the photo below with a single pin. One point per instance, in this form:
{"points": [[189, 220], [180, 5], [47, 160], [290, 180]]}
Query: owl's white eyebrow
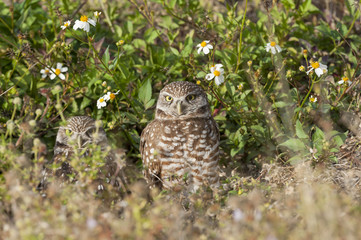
{"points": [[187, 94]]}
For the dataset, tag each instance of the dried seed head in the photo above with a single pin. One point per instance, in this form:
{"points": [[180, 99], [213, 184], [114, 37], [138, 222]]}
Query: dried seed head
{"points": [[10, 53], [38, 112], [267, 4], [17, 101], [98, 123], [32, 123], [10, 125], [36, 142]]}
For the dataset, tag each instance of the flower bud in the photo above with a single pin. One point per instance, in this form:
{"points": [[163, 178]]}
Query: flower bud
{"points": [[288, 73]]}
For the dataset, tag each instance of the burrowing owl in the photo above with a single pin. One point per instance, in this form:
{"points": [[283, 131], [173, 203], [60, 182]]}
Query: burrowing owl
{"points": [[75, 137], [181, 145]]}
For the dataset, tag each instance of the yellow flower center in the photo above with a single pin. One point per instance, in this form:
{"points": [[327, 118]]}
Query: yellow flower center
{"points": [[57, 71], [345, 79], [217, 73], [273, 44], [101, 100], [112, 96], [304, 51], [315, 65], [47, 71], [198, 82], [66, 24], [312, 99], [84, 18], [203, 44]]}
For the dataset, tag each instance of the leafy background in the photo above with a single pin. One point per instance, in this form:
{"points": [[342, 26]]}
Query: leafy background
{"points": [[289, 167]]}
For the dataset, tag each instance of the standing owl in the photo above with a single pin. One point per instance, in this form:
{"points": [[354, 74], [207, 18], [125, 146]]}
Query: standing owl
{"points": [[76, 136], [181, 145]]}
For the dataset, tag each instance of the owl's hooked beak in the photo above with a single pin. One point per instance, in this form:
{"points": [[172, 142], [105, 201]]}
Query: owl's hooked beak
{"points": [[179, 107]]}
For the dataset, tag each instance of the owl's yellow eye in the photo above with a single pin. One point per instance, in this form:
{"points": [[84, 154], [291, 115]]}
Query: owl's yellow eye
{"points": [[68, 132], [191, 97], [168, 98]]}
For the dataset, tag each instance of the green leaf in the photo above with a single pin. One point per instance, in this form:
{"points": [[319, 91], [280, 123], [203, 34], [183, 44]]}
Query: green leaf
{"points": [[106, 57], [150, 35], [299, 130], [297, 159], [86, 102], [149, 104], [188, 47], [145, 92], [201, 75], [318, 135], [280, 104], [175, 51], [338, 138], [294, 144], [130, 27]]}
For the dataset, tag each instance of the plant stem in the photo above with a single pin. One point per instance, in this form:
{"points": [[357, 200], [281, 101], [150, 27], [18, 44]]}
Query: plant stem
{"points": [[348, 32], [111, 74], [240, 38], [304, 100]]}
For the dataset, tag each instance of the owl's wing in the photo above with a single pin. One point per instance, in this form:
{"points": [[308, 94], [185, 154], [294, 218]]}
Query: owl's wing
{"points": [[152, 169], [147, 136]]}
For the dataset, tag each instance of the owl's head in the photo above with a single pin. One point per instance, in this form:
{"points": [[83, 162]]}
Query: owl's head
{"points": [[79, 132], [182, 100]]}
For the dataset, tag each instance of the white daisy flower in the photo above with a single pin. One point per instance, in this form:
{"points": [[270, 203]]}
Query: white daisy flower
{"points": [[216, 73], [345, 80], [101, 103], [97, 14], [273, 47], [318, 67], [313, 99], [45, 72], [204, 46], [58, 71], [65, 25], [110, 96], [83, 23]]}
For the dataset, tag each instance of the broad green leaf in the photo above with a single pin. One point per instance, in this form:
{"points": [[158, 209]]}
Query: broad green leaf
{"points": [[175, 51], [294, 144], [145, 92], [299, 130]]}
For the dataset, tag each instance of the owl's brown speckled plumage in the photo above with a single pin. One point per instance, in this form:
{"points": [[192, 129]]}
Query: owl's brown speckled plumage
{"points": [[181, 145], [76, 136]]}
